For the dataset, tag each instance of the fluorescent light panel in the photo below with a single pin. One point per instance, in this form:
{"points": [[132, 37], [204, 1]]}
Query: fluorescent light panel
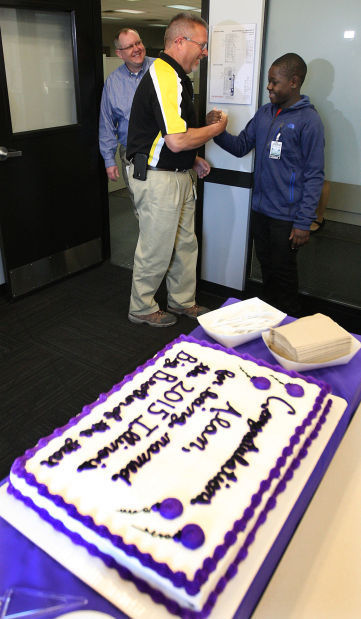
{"points": [[183, 7], [128, 11]]}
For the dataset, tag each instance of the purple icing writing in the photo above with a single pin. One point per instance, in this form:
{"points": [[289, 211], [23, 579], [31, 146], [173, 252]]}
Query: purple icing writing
{"points": [[229, 409], [133, 466], [154, 409], [226, 471], [175, 393], [182, 417], [222, 375], [114, 414], [100, 426], [128, 438], [141, 393], [68, 447], [198, 369], [181, 357], [211, 428], [290, 411]]}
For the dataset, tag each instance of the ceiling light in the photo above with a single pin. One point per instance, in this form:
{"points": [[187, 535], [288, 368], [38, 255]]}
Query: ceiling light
{"points": [[349, 34], [127, 11], [183, 7]]}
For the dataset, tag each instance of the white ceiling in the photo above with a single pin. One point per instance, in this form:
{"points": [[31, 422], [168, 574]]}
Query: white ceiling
{"points": [[155, 12]]}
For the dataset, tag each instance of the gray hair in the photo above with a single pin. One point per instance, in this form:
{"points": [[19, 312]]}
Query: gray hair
{"points": [[122, 31]]}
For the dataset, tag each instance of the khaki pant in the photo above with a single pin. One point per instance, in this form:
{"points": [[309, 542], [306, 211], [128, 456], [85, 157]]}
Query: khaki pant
{"points": [[167, 245], [125, 169]]}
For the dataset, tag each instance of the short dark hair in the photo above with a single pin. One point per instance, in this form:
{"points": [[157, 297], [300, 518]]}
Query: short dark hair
{"points": [[292, 64], [180, 25]]}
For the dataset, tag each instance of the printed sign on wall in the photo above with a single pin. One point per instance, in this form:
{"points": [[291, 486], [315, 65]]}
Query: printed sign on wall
{"points": [[232, 63]]}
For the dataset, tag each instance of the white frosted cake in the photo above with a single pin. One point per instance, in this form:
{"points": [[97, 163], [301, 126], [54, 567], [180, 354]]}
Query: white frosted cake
{"points": [[169, 476]]}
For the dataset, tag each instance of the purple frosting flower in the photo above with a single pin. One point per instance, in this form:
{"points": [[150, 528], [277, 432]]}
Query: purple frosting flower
{"points": [[170, 508], [192, 536], [260, 382], [294, 390]]}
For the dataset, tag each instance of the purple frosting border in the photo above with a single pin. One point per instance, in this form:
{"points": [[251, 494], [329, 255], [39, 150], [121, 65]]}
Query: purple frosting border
{"points": [[157, 596], [179, 579]]}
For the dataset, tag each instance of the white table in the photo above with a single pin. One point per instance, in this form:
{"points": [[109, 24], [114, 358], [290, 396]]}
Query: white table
{"points": [[319, 576]]}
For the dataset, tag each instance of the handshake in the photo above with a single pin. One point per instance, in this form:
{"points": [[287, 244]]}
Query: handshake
{"points": [[217, 116]]}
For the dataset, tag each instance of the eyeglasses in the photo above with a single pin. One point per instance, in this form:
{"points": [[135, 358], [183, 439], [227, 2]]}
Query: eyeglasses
{"points": [[136, 44], [203, 46]]}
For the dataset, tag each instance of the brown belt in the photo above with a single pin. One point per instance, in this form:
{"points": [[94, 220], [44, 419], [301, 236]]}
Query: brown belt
{"points": [[150, 167]]}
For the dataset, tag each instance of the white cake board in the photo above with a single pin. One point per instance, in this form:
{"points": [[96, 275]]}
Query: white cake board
{"points": [[124, 595]]}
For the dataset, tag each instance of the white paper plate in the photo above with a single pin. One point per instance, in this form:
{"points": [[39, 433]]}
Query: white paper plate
{"points": [[261, 314], [303, 367]]}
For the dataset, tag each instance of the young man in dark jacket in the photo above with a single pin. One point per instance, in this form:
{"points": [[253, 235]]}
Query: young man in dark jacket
{"points": [[288, 138]]}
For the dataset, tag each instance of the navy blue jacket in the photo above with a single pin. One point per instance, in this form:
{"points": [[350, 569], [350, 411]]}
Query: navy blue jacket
{"points": [[288, 188]]}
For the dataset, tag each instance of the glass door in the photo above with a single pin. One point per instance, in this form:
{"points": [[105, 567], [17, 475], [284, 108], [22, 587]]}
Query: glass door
{"points": [[53, 208]]}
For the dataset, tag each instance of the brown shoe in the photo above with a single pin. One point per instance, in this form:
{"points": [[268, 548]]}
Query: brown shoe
{"points": [[191, 312], [157, 319]]}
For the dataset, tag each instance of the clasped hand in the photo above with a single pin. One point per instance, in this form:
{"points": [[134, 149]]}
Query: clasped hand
{"points": [[216, 116]]}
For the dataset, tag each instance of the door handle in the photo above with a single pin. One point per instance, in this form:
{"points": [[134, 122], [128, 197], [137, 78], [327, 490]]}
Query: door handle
{"points": [[5, 153]]}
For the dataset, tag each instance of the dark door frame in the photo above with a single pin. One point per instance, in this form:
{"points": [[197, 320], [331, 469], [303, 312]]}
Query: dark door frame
{"points": [[69, 231]]}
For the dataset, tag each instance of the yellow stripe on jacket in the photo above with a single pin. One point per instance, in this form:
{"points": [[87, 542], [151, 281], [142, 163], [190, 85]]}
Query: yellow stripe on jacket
{"points": [[168, 87]]}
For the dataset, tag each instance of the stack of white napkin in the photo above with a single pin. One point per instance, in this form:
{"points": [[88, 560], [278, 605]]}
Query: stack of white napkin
{"points": [[312, 339]]}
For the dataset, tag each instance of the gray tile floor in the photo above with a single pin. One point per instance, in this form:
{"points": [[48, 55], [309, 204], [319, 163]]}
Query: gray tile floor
{"points": [[329, 265]]}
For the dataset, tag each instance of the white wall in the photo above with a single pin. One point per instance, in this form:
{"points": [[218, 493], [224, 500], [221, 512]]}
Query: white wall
{"points": [[315, 30], [226, 209]]}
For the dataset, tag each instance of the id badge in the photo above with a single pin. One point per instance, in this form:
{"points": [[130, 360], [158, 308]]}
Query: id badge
{"points": [[275, 150]]}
